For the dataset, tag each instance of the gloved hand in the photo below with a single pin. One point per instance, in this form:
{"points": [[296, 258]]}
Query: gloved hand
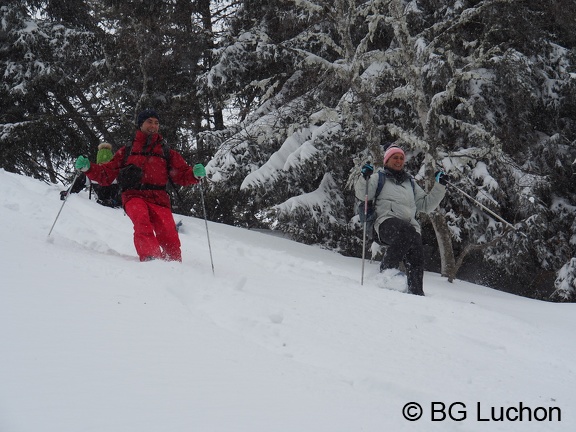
{"points": [[82, 164], [367, 170], [442, 178], [199, 171]]}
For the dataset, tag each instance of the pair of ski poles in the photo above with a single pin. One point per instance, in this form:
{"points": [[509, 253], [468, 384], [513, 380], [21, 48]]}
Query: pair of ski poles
{"points": [[203, 208], [478, 203]]}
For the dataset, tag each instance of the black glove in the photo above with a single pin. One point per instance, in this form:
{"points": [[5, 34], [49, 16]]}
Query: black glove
{"points": [[442, 178], [367, 170]]}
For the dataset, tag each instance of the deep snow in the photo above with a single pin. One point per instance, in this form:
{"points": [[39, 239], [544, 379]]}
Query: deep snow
{"points": [[282, 338]]}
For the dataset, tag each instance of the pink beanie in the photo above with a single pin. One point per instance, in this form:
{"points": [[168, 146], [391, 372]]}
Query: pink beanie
{"points": [[391, 151]]}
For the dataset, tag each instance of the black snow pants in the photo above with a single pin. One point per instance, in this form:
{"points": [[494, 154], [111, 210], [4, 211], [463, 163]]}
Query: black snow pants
{"points": [[404, 245]]}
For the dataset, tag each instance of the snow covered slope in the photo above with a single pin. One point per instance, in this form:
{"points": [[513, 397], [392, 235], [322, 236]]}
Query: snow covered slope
{"points": [[283, 338]]}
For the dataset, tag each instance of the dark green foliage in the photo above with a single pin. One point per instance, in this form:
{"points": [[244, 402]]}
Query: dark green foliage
{"points": [[77, 73], [493, 101]]}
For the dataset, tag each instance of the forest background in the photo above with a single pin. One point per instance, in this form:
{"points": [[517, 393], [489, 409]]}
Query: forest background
{"points": [[284, 101]]}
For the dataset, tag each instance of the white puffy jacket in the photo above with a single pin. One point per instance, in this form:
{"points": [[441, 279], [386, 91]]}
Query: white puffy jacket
{"points": [[397, 198]]}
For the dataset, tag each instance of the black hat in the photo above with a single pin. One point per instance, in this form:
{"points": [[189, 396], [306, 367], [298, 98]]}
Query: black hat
{"points": [[146, 114]]}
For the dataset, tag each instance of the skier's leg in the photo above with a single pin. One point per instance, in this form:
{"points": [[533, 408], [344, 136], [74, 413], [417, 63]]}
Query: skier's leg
{"points": [[397, 234], [414, 262], [166, 232], [145, 241]]}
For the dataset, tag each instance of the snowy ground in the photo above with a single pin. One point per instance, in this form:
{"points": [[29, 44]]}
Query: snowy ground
{"points": [[283, 338]]}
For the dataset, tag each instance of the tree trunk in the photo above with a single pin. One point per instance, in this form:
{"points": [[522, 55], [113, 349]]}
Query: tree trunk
{"points": [[448, 262], [49, 166], [415, 77], [203, 6]]}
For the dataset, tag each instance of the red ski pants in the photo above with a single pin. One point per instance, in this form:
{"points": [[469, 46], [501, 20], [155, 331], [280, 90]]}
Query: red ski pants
{"points": [[155, 235]]}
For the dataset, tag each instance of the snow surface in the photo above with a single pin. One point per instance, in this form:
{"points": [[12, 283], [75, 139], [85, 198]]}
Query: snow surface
{"points": [[281, 338]]}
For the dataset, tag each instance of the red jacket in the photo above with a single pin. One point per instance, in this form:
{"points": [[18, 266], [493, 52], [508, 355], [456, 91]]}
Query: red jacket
{"points": [[153, 168]]}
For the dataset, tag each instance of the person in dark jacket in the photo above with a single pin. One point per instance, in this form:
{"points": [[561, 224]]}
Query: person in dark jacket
{"points": [[396, 207], [108, 196], [78, 186], [145, 200]]}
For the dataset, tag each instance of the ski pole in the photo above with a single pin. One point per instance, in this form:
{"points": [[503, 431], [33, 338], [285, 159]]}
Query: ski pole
{"points": [[482, 206], [206, 223], [364, 230], [64, 202]]}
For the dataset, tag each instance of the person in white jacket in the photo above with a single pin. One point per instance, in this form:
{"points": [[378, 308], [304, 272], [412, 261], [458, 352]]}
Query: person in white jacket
{"points": [[396, 207]]}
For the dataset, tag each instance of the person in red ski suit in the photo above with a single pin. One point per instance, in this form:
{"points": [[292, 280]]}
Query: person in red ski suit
{"points": [[147, 203]]}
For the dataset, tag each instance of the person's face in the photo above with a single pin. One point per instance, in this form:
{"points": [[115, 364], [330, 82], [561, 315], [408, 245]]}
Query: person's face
{"points": [[150, 126], [396, 162]]}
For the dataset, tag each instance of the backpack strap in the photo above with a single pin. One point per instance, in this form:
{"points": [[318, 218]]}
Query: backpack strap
{"points": [[148, 152], [127, 152], [382, 179], [165, 154]]}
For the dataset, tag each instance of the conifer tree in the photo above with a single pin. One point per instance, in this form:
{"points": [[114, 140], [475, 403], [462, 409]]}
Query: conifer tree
{"points": [[476, 88]]}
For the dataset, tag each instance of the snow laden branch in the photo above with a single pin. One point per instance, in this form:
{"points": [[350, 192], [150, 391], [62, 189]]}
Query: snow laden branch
{"points": [[309, 7], [296, 146], [413, 139], [439, 33], [318, 204], [474, 132], [565, 283], [295, 151]]}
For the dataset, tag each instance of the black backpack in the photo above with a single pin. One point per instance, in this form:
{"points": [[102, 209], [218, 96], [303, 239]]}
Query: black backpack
{"points": [[130, 176]]}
